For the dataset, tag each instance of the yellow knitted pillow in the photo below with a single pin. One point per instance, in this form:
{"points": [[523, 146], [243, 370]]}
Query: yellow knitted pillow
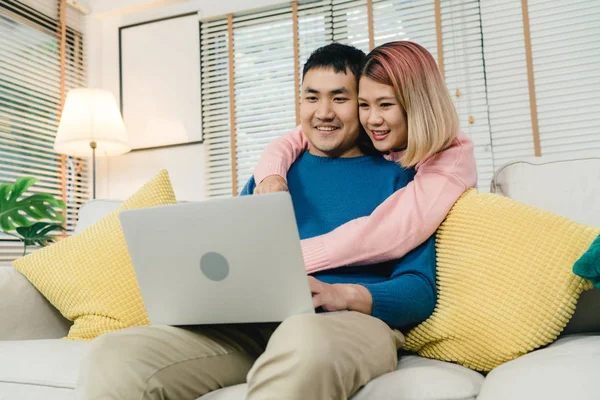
{"points": [[88, 277], [505, 281]]}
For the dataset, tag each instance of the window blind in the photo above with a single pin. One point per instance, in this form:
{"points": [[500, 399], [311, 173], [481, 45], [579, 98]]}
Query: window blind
{"points": [[506, 78], [30, 104], [350, 23], [264, 84], [465, 79], [315, 28], [485, 72], [566, 55], [401, 20], [214, 64]]}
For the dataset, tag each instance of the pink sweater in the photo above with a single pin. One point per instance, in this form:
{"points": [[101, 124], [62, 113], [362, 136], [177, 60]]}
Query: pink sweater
{"points": [[402, 222]]}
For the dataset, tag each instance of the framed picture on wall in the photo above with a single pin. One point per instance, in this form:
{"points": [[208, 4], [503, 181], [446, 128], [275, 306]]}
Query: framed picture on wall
{"points": [[159, 66]]}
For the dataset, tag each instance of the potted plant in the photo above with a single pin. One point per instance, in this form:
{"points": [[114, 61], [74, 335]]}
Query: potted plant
{"points": [[34, 219]]}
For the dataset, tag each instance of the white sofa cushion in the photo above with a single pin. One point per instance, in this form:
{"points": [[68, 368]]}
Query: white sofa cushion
{"points": [[40, 369], [424, 379], [416, 378], [20, 391], [567, 369]]}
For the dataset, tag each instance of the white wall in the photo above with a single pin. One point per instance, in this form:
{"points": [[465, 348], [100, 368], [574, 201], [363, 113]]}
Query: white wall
{"points": [[119, 177]]}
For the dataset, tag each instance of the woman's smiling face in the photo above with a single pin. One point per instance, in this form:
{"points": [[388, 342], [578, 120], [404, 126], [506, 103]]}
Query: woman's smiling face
{"points": [[381, 115]]}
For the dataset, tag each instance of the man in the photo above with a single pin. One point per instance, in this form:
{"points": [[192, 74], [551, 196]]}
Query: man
{"points": [[332, 183], [323, 356]]}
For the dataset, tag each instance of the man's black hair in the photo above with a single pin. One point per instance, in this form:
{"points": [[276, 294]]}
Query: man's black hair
{"points": [[340, 57]]}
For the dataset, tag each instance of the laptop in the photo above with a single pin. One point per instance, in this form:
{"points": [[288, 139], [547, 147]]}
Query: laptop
{"points": [[233, 260]]}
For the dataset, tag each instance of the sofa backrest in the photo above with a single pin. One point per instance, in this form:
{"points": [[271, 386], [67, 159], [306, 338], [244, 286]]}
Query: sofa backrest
{"points": [[94, 210], [570, 188]]}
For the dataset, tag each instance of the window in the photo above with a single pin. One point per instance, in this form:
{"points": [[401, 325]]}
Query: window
{"points": [[402, 20], [566, 54], [350, 23], [264, 84], [506, 76], [566, 79], [214, 65], [30, 102], [465, 78], [315, 29], [484, 65], [263, 72]]}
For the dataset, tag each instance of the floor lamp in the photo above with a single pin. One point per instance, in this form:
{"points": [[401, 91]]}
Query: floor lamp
{"points": [[91, 125]]}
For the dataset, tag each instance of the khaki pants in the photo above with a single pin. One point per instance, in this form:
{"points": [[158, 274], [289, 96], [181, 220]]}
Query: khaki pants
{"points": [[324, 356]]}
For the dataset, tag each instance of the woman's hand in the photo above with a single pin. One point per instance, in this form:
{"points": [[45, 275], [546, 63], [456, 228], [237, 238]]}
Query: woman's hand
{"points": [[339, 297], [272, 183]]}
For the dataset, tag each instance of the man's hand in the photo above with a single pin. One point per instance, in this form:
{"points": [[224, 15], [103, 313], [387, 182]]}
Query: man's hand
{"points": [[330, 297], [272, 183], [339, 297]]}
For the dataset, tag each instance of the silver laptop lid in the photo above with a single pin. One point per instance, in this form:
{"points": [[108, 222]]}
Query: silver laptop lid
{"points": [[228, 260]]}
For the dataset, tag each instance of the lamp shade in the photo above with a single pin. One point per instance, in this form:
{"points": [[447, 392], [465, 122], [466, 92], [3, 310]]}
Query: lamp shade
{"points": [[91, 115]]}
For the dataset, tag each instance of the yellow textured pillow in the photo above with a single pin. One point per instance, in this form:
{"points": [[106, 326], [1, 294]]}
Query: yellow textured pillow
{"points": [[89, 277], [505, 281]]}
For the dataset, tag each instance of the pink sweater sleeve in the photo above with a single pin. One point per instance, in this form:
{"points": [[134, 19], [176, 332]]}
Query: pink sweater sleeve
{"points": [[280, 154], [404, 220]]}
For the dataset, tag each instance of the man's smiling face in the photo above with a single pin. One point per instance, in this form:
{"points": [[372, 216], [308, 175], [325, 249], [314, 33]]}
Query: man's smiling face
{"points": [[329, 112]]}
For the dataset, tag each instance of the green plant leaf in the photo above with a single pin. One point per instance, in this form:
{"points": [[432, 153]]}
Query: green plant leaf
{"points": [[39, 233], [14, 212]]}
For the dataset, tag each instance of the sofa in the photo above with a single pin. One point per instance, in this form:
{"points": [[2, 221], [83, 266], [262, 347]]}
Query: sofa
{"points": [[36, 364]]}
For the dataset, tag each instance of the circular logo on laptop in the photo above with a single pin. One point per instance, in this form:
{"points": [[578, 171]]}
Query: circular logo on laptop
{"points": [[214, 266]]}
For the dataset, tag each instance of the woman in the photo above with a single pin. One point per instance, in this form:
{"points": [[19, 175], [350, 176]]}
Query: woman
{"points": [[406, 110]]}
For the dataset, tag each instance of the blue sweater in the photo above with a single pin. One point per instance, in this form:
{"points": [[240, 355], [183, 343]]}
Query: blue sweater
{"points": [[328, 192]]}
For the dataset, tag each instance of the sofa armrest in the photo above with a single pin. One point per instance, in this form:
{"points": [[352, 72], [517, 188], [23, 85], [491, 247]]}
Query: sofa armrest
{"points": [[24, 312]]}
